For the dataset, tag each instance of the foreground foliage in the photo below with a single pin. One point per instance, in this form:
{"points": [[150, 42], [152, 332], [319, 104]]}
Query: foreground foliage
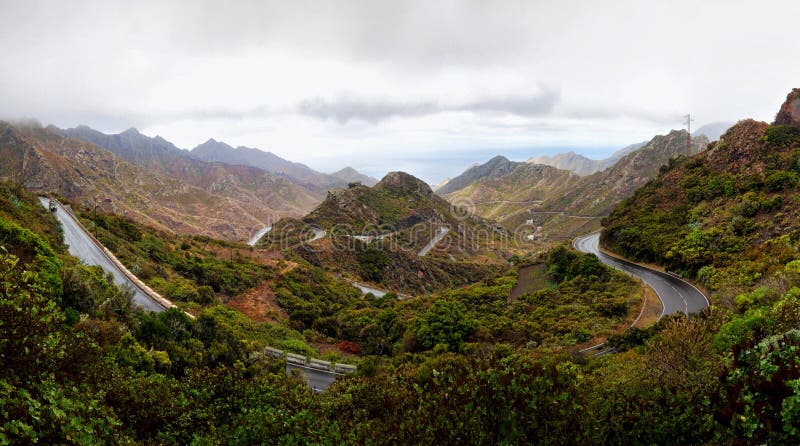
{"points": [[79, 365]]}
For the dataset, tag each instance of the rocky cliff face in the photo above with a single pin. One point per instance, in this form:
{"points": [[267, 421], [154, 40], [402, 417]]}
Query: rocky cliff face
{"points": [[789, 113], [740, 147]]}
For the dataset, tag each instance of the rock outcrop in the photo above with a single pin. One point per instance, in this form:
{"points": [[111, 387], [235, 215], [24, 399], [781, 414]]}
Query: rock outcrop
{"points": [[789, 114], [405, 183]]}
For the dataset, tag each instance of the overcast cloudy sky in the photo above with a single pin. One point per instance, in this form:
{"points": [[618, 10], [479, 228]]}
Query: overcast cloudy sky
{"points": [[429, 87]]}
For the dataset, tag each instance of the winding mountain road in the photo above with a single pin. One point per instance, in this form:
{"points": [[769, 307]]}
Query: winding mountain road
{"points": [[677, 296], [367, 289], [443, 230], [318, 234], [318, 380], [83, 247], [254, 239]]}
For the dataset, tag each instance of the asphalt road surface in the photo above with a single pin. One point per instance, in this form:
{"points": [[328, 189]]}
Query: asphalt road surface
{"points": [[443, 230], [317, 380], [365, 289], [676, 295], [253, 240], [82, 247]]}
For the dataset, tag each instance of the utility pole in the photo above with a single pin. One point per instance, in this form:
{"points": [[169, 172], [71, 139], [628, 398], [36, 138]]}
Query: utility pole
{"points": [[95, 217], [688, 133]]}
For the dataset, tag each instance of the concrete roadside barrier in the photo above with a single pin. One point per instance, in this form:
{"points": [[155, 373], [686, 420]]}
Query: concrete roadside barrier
{"points": [[319, 364], [344, 368], [295, 359]]}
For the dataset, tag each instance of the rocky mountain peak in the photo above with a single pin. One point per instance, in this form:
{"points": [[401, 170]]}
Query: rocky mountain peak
{"points": [[495, 167], [212, 150], [348, 170], [740, 147], [789, 114], [401, 181], [498, 160]]}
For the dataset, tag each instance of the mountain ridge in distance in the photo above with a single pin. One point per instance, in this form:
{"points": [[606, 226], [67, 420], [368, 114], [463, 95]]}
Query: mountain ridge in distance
{"points": [[599, 193], [561, 201], [350, 174], [45, 161], [213, 150], [713, 130], [218, 151], [583, 165], [245, 184], [495, 167]]}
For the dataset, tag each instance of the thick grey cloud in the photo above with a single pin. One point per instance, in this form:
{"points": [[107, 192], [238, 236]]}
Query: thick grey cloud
{"points": [[518, 74], [520, 104], [348, 107]]}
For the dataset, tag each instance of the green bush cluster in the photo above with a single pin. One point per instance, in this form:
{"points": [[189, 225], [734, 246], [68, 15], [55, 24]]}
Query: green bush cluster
{"points": [[582, 298], [782, 136], [186, 269]]}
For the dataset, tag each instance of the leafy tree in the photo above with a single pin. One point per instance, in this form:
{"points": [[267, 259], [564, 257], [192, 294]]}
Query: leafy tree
{"points": [[445, 323], [372, 262], [37, 402]]}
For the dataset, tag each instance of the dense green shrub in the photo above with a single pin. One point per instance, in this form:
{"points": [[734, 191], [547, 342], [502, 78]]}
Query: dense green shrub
{"points": [[372, 262], [780, 180], [781, 136], [446, 323]]}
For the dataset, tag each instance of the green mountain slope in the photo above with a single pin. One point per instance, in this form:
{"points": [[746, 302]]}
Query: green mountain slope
{"points": [[727, 216], [375, 234], [504, 195]]}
